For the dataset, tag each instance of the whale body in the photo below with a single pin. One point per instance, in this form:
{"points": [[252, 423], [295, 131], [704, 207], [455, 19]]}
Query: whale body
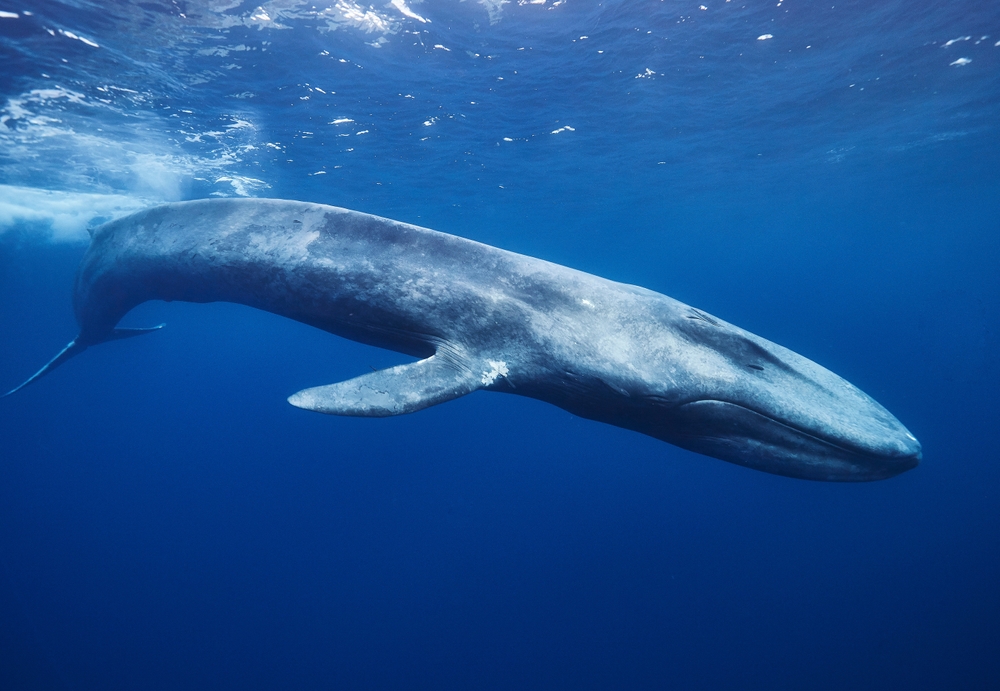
{"points": [[478, 317]]}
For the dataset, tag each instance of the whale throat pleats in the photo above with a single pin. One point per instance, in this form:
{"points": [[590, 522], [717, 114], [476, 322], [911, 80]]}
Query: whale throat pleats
{"points": [[394, 391]]}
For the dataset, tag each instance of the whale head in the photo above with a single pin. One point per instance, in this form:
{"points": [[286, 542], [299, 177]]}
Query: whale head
{"points": [[738, 397]]}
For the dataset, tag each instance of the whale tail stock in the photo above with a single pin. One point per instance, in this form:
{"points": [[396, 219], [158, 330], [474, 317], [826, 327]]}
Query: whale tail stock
{"points": [[75, 347]]}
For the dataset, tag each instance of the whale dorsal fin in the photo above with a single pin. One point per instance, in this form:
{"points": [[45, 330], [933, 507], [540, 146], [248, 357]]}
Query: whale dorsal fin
{"points": [[394, 391]]}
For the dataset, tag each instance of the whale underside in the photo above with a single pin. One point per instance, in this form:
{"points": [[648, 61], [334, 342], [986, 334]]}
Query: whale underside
{"points": [[481, 318]]}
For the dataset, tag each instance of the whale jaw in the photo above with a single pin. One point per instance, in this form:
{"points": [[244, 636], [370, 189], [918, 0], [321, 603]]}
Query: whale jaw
{"points": [[737, 434]]}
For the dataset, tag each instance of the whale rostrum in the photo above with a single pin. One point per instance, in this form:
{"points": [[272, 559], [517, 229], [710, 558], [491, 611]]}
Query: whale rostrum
{"points": [[478, 317]]}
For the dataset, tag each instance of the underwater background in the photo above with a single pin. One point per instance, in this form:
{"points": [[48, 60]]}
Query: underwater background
{"points": [[823, 174]]}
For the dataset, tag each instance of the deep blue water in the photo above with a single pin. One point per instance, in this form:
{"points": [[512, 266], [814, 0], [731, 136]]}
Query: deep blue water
{"points": [[168, 521]]}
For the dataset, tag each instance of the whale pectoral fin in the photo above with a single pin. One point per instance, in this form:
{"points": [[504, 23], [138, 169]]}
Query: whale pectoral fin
{"points": [[394, 391]]}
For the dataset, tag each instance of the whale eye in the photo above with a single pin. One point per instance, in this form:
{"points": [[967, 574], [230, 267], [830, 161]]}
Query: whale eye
{"points": [[756, 367]]}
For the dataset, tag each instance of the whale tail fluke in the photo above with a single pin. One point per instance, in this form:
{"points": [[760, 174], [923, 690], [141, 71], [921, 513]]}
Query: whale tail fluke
{"points": [[74, 348]]}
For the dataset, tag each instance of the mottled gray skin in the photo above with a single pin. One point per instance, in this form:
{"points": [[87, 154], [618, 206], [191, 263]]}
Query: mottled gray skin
{"points": [[484, 318]]}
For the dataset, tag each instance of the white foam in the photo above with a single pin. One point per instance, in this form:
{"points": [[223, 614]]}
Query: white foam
{"points": [[956, 40], [494, 8], [350, 13], [765, 37], [87, 41], [242, 186], [60, 216], [407, 12], [8, 15], [52, 132], [960, 62]]}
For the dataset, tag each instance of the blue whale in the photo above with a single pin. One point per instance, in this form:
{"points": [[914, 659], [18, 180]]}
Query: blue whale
{"points": [[478, 317]]}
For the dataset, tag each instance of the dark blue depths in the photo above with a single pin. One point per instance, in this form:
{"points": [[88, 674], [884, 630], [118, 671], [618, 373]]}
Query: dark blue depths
{"points": [[168, 521]]}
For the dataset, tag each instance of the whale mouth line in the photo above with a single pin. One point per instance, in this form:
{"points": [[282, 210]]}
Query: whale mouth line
{"points": [[844, 448]]}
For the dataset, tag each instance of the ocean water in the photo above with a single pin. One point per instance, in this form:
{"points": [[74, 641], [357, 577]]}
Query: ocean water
{"points": [[826, 175]]}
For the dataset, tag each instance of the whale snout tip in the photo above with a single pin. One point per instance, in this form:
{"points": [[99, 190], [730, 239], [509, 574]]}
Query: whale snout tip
{"points": [[913, 447], [301, 399], [888, 447], [880, 458], [908, 453], [878, 450]]}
